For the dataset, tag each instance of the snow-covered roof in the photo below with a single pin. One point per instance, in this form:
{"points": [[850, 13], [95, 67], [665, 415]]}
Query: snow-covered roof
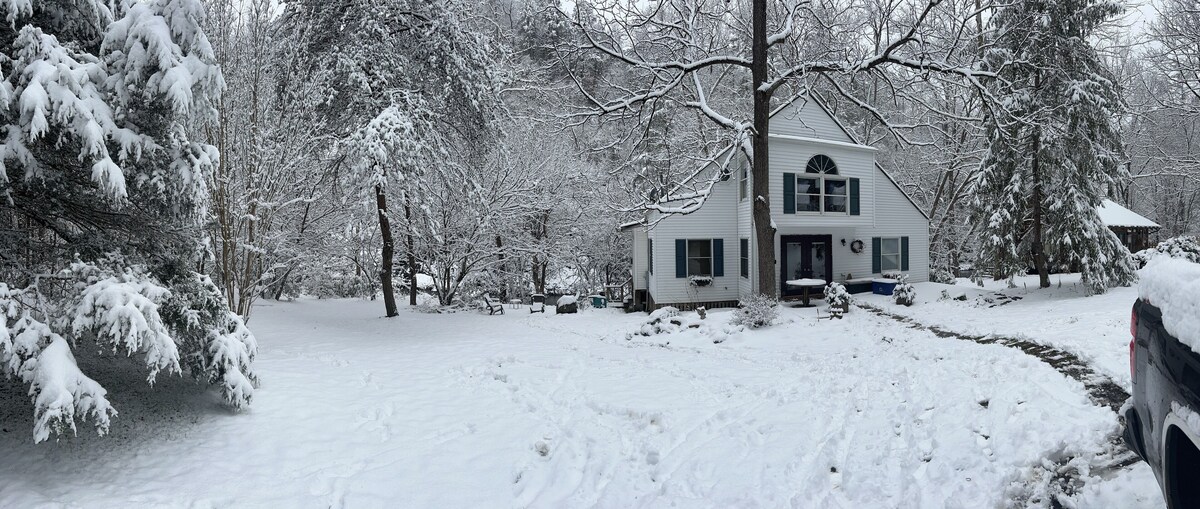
{"points": [[1112, 214]]}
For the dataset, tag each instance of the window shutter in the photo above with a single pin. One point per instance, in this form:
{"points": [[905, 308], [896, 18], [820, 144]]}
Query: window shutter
{"points": [[904, 253], [650, 255], [680, 257], [876, 260], [854, 210], [718, 248], [789, 193]]}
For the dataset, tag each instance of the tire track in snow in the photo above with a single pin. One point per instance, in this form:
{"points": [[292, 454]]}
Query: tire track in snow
{"points": [[1065, 478]]}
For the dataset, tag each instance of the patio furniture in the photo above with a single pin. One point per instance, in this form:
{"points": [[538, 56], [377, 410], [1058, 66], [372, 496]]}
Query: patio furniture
{"points": [[806, 284], [599, 301], [537, 303], [492, 306], [514, 303]]}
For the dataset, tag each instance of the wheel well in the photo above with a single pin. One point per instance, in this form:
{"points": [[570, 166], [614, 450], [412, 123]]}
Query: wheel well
{"points": [[1182, 462]]}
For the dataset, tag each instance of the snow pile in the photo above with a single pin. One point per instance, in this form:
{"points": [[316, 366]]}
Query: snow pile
{"points": [[1183, 247], [1173, 285], [667, 325], [756, 311]]}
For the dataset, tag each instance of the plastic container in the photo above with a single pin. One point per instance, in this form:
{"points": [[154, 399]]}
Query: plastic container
{"points": [[883, 286]]}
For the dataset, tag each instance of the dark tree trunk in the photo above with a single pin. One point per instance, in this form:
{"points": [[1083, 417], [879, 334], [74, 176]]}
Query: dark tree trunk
{"points": [[412, 255], [385, 274], [1039, 252], [764, 232]]}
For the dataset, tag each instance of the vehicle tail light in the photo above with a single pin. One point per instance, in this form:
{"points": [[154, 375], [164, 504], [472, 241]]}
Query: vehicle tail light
{"points": [[1133, 343]]}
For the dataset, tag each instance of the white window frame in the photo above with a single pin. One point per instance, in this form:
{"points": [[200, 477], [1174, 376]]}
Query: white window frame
{"points": [[687, 256], [744, 257], [883, 254], [821, 179]]}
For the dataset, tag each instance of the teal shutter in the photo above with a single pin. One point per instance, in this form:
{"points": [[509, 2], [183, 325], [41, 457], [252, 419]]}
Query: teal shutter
{"points": [[876, 261], [789, 193], [903, 253], [680, 257], [718, 246], [650, 255], [854, 208]]}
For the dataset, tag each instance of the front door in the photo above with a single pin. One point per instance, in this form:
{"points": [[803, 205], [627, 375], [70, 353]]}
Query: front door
{"points": [[804, 257]]}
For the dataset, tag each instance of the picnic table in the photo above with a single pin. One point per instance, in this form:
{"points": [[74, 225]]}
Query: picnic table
{"points": [[806, 284]]}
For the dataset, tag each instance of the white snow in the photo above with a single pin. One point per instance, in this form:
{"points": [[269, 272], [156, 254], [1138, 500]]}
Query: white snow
{"points": [[1112, 214], [1173, 285], [567, 300], [470, 410]]}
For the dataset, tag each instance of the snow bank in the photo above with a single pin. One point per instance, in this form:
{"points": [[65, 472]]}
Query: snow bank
{"points": [[1173, 286]]}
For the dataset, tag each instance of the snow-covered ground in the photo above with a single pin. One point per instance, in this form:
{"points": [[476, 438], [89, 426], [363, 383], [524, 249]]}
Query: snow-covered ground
{"points": [[545, 410]]}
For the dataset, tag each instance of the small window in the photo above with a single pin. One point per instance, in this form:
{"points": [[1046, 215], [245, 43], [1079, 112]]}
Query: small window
{"points": [[650, 255], [889, 254], [743, 183], [808, 194], [744, 255], [835, 195], [699, 258]]}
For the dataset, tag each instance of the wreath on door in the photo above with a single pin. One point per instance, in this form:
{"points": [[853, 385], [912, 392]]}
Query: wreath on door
{"points": [[856, 246]]}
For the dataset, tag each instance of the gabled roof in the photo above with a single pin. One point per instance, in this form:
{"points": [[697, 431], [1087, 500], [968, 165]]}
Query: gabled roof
{"points": [[854, 138], [776, 111], [1112, 214]]}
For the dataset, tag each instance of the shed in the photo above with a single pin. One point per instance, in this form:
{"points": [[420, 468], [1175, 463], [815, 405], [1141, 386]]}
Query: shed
{"points": [[1133, 229]]}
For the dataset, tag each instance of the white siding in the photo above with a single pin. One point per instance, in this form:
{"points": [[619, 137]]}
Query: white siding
{"points": [[717, 219], [639, 258], [806, 118], [884, 212], [897, 217], [791, 156]]}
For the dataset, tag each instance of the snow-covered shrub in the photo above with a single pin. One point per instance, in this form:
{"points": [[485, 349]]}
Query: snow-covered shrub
{"points": [[756, 311], [904, 293], [942, 275], [1183, 247], [172, 321], [700, 281], [838, 299]]}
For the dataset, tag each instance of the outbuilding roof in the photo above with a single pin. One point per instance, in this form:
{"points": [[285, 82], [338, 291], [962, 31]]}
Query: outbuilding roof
{"points": [[1112, 214]]}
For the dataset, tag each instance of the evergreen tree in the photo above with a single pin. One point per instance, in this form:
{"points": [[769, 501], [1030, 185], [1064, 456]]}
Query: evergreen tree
{"points": [[1054, 150], [95, 103]]}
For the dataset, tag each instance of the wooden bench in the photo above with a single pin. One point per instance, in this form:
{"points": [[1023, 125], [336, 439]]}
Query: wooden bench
{"points": [[492, 307]]}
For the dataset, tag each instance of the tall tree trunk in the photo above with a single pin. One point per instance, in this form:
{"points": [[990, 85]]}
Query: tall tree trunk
{"points": [[1039, 253], [764, 231], [385, 273], [412, 254]]}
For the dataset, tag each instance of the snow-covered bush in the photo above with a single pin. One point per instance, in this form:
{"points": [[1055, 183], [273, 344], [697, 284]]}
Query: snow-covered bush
{"points": [[1183, 247], [172, 321], [838, 299], [756, 311], [904, 293], [942, 275]]}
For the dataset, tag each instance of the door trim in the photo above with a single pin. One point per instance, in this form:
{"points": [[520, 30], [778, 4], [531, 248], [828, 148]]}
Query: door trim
{"points": [[784, 240]]}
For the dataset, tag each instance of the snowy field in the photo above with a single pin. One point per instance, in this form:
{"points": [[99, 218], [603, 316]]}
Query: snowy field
{"points": [[521, 410]]}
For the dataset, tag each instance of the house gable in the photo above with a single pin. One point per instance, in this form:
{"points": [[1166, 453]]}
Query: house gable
{"points": [[805, 117]]}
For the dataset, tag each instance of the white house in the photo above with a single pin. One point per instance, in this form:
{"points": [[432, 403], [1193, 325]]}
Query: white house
{"points": [[839, 217]]}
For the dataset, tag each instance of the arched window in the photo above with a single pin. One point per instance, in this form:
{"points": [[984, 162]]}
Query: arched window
{"points": [[820, 189], [821, 163]]}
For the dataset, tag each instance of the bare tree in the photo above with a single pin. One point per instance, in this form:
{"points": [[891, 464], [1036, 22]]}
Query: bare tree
{"points": [[715, 58]]}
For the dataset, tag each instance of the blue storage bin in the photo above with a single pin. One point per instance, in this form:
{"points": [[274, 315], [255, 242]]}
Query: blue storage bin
{"points": [[883, 286]]}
